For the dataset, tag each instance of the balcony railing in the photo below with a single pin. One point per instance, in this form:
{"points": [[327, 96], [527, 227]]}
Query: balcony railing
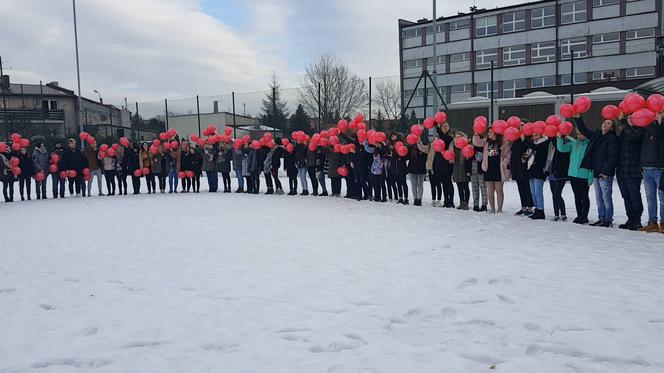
{"points": [[27, 115]]}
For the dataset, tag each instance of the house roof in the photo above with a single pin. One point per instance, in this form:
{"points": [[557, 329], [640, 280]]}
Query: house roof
{"points": [[34, 90], [652, 86]]}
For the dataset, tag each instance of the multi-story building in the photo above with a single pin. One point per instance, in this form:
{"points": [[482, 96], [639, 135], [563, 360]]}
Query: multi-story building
{"points": [[613, 42]]}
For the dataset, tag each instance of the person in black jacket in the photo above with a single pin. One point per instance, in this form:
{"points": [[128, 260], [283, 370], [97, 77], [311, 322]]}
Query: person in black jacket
{"points": [[361, 160], [197, 168], [276, 164], [536, 156], [447, 168], [652, 163], [58, 184], [131, 163], [290, 165], [417, 169], [602, 157], [628, 173], [186, 165], [6, 176], [321, 160], [74, 160], [519, 171], [301, 163], [27, 172], [558, 178]]}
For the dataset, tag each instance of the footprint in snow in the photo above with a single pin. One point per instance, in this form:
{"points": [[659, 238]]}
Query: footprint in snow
{"points": [[467, 282], [7, 290], [47, 307]]}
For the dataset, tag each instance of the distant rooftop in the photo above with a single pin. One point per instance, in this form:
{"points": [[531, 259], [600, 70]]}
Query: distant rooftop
{"points": [[34, 90]]}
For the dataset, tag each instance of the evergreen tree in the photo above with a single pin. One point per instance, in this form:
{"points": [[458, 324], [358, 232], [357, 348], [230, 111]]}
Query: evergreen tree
{"points": [[380, 121], [300, 121], [275, 109]]}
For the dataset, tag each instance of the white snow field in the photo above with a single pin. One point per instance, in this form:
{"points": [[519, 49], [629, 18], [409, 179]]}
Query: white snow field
{"points": [[245, 283]]}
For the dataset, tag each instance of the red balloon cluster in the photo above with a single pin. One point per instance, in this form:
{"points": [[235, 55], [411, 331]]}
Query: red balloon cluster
{"points": [[440, 117], [342, 171], [499, 126], [480, 125], [468, 151], [124, 142], [438, 145], [461, 142]]}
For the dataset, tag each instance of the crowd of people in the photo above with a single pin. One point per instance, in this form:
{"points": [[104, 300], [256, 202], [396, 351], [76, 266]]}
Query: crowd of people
{"points": [[377, 168]]}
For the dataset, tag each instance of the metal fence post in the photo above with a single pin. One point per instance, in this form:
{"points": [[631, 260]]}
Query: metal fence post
{"points": [[198, 115], [166, 108], [138, 128], [319, 113], [369, 102], [234, 126]]}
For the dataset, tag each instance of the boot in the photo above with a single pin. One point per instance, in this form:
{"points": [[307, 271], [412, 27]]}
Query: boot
{"points": [[597, 223], [483, 208], [418, 202], [636, 225], [661, 227], [627, 224], [269, 191], [476, 208], [652, 227], [324, 194], [305, 193], [538, 215], [400, 201], [405, 202]]}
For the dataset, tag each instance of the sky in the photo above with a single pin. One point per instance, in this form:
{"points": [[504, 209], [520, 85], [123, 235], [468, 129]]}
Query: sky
{"points": [[148, 50]]}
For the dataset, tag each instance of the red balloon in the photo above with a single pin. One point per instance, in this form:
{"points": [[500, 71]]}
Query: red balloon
{"points": [[449, 154], [103, 148], [511, 134], [342, 171], [14, 161], [565, 128], [538, 127], [334, 140], [138, 173], [124, 142], [479, 127], [63, 174], [72, 173], [3, 147], [412, 139], [438, 145], [181, 175], [15, 137], [514, 122], [361, 126], [352, 125], [468, 151], [155, 142], [167, 145], [344, 149], [610, 112], [290, 148], [163, 136], [101, 155], [53, 168], [655, 103], [115, 146], [359, 118], [190, 174], [481, 118], [567, 110], [416, 130], [40, 176], [550, 131], [527, 129], [313, 147], [111, 152], [333, 131], [429, 123], [553, 120], [24, 143], [228, 131], [16, 146], [440, 117], [145, 171], [16, 171], [581, 104], [642, 118], [461, 142], [361, 135], [174, 145], [635, 102], [624, 108], [86, 171], [499, 126], [402, 151], [83, 136], [342, 125]]}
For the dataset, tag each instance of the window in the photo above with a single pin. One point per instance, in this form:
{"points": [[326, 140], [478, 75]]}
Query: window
{"points": [[576, 45], [637, 72], [543, 17], [514, 21], [49, 105], [412, 63], [429, 29], [579, 78], [441, 60], [459, 57], [606, 75], [511, 86], [461, 88], [597, 3], [457, 25], [483, 58], [543, 52], [573, 12], [484, 89], [606, 38], [639, 34], [514, 55], [411, 33], [485, 26], [545, 81]]}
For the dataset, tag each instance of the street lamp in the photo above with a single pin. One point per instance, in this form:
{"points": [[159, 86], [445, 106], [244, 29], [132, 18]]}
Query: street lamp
{"points": [[78, 70], [98, 94]]}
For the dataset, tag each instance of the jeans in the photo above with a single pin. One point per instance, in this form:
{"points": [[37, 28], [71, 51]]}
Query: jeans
{"points": [[172, 181], [581, 187], [213, 180], [537, 191], [240, 179], [604, 196], [417, 185], [436, 183], [162, 181], [321, 181], [58, 186], [630, 191], [95, 173], [302, 174], [651, 179], [314, 181], [40, 187]]}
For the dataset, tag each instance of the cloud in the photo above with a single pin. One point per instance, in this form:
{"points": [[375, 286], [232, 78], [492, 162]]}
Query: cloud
{"points": [[153, 49]]}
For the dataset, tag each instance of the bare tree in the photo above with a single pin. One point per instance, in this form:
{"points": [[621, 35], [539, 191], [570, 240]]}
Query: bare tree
{"points": [[341, 92], [389, 98]]}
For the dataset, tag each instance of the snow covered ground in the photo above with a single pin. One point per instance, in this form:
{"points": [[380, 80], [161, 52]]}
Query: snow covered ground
{"points": [[244, 283]]}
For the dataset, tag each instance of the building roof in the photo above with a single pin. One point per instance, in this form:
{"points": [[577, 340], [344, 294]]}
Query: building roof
{"points": [[406, 23], [651, 86], [34, 90]]}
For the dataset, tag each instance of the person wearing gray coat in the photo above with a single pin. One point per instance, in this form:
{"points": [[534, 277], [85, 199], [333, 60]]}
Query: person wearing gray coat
{"points": [[239, 158], [40, 161]]}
